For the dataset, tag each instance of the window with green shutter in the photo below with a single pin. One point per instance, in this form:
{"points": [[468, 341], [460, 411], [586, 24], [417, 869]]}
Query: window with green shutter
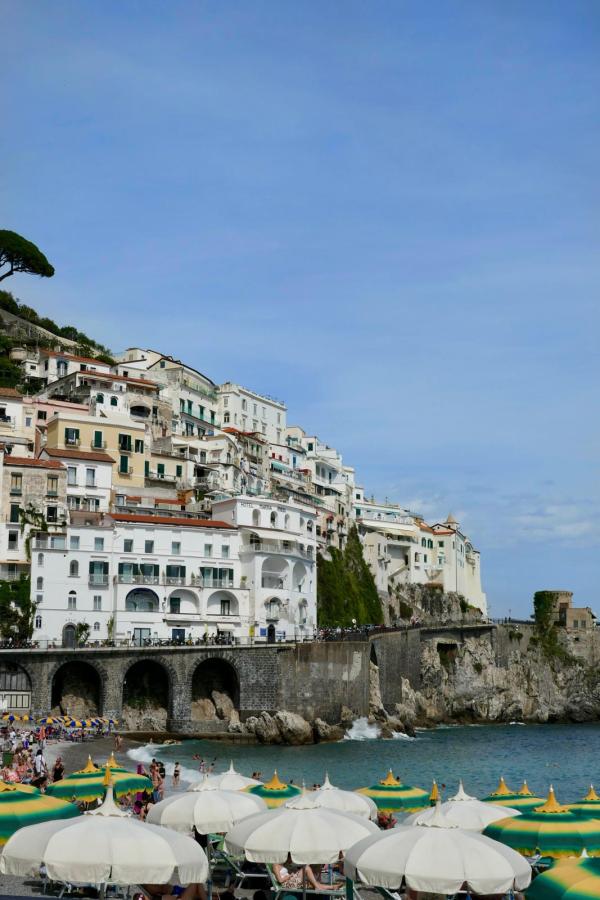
{"points": [[124, 465], [98, 440], [160, 468], [179, 471], [146, 468], [72, 437]]}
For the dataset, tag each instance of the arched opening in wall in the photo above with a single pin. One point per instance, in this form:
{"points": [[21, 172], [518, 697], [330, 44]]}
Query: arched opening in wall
{"points": [[215, 692], [274, 573], [76, 691], [141, 600], [146, 696], [15, 689], [271, 634], [373, 654], [299, 577]]}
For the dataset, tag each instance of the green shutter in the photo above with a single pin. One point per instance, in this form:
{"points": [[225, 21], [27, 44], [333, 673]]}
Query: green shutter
{"points": [[124, 465], [160, 468], [179, 471], [146, 468]]}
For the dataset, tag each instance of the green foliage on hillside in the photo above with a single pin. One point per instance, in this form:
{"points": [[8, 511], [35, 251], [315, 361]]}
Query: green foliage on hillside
{"points": [[346, 588], [85, 343], [545, 615], [17, 610], [11, 374]]}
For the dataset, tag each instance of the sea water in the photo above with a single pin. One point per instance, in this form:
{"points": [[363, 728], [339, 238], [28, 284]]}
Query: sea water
{"points": [[566, 756]]}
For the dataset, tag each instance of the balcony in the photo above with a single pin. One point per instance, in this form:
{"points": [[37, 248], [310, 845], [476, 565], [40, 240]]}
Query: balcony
{"points": [[97, 445], [217, 583], [176, 579], [278, 547], [72, 442], [126, 578], [160, 476], [125, 448], [50, 543], [126, 472], [97, 580]]}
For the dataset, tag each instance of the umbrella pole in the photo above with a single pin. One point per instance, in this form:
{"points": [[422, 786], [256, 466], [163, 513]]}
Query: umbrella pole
{"points": [[349, 889], [209, 883]]}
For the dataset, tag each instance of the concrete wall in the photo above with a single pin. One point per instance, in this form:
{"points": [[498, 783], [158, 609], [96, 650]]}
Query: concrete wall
{"points": [[398, 655]]}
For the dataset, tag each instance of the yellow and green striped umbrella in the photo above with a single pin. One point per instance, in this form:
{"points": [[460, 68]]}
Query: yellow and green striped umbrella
{"points": [[391, 795], [19, 807], [90, 783], [523, 799], [274, 792], [551, 828], [27, 788], [589, 806], [569, 879]]}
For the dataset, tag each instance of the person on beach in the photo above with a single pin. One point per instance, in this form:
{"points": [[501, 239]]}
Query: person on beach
{"points": [[158, 786], [40, 769], [295, 879], [173, 892], [58, 771], [176, 775]]}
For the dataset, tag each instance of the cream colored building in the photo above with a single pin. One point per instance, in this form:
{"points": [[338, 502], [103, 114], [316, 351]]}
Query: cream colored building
{"points": [[17, 424], [121, 438]]}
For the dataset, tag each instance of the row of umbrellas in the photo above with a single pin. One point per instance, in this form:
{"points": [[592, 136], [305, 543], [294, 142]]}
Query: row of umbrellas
{"points": [[436, 849], [68, 721]]}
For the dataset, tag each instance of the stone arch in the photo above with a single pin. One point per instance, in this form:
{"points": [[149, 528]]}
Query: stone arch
{"points": [[222, 603], [76, 689], [215, 691], [15, 688], [183, 601], [274, 572], [299, 576], [148, 688], [142, 599]]}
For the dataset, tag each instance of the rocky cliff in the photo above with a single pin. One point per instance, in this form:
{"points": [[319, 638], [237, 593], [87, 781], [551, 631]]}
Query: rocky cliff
{"points": [[467, 682]]}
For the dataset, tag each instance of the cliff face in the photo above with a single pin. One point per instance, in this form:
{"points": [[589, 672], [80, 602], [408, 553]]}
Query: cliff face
{"points": [[465, 682]]}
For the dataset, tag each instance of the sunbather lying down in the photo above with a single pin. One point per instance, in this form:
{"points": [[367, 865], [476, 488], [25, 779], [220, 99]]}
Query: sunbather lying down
{"points": [[175, 892], [294, 879]]}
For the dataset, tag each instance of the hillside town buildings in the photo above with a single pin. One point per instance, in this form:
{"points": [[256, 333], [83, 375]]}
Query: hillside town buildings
{"points": [[149, 503]]}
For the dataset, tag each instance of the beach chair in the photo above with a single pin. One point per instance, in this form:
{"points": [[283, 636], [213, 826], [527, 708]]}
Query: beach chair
{"points": [[281, 891]]}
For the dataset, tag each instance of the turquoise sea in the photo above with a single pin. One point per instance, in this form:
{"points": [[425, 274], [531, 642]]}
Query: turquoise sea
{"points": [[567, 756]]}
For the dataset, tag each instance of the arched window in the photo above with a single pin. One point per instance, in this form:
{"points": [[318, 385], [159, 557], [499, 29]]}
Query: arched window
{"points": [[286, 522], [38, 621], [72, 600], [40, 559], [256, 517], [96, 626], [430, 545], [99, 398], [226, 418], [40, 583], [423, 542], [273, 520], [309, 525], [113, 401], [74, 569]]}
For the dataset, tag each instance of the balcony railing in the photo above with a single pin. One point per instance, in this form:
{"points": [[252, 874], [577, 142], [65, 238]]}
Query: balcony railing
{"points": [[182, 617], [279, 547], [160, 476], [217, 583], [98, 580], [175, 579], [130, 578], [97, 445], [50, 543]]}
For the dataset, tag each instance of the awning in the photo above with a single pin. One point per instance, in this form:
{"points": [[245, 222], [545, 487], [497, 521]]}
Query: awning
{"points": [[279, 466]]}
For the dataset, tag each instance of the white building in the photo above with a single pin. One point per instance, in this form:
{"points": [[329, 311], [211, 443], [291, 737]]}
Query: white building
{"points": [[278, 556], [248, 411], [401, 548], [249, 572], [53, 365], [89, 477]]}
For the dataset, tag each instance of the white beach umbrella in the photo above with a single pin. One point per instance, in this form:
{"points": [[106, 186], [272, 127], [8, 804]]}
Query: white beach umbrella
{"points": [[206, 808], [332, 797], [463, 811], [437, 858], [230, 780], [105, 847], [309, 833]]}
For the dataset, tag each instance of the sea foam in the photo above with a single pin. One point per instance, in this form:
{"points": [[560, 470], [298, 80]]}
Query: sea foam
{"points": [[362, 731]]}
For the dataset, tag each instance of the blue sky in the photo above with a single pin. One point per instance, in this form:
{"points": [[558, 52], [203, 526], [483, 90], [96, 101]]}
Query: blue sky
{"points": [[386, 213]]}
